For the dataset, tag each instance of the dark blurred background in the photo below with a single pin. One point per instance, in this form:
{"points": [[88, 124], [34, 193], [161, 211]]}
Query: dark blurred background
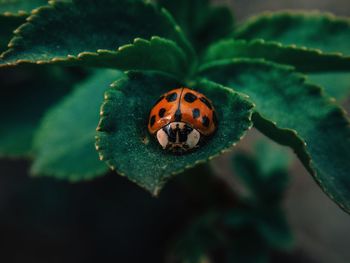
{"points": [[112, 220]]}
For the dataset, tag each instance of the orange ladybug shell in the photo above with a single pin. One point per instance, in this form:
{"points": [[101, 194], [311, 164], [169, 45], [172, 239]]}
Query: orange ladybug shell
{"points": [[183, 105]]}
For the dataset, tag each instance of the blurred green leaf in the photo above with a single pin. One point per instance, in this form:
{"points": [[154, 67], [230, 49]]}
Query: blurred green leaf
{"points": [[198, 240], [264, 172], [275, 230], [336, 85], [7, 25], [262, 187], [64, 143], [271, 157], [246, 231], [304, 29], [86, 28], [296, 114], [267, 222], [303, 59], [202, 22], [237, 235], [20, 7], [26, 94], [123, 140], [13, 13]]}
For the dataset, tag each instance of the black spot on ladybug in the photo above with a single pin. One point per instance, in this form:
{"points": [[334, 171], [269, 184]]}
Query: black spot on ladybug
{"points": [[196, 113], [161, 112], [205, 121], [171, 97], [158, 100], [215, 119], [152, 120], [178, 115], [183, 133], [206, 102], [190, 97]]}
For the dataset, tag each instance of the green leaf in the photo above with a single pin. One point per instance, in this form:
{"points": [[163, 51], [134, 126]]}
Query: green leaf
{"points": [[12, 14], [305, 29], [19, 7], [8, 25], [26, 94], [81, 28], [123, 140], [202, 22], [200, 238], [271, 157], [268, 223], [158, 54], [307, 60], [336, 85], [64, 143], [264, 173], [296, 114], [274, 228]]}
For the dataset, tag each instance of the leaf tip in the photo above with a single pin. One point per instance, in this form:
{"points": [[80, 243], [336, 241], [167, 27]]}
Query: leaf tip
{"points": [[156, 191]]}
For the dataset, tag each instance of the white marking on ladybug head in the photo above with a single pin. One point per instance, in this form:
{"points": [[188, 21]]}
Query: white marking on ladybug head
{"points": [[162, 138], [193, 139], [178, 137]]}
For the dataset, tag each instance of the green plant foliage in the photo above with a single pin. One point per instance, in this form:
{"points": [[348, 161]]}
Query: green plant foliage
{"points": [[8, 25], [158, 54], [202, 22], [86, 27], [243, 234], [306, 60], [264, 174], [12, 14], [312, 30], [142, 36], [26, 94], [253, 227], [123, 140], [336, 85], [303, 30], [267, 224], [20, 7], [274, 228], [64, 143], [296, 114], [198, 239]]}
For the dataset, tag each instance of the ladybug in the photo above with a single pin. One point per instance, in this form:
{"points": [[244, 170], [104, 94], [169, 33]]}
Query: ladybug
{"points": [[182, 119]]}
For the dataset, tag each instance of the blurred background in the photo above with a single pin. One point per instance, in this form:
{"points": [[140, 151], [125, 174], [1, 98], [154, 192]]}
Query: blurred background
{"points": [[113, 220]]}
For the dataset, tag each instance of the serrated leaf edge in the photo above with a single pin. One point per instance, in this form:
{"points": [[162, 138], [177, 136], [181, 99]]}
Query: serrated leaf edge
{"points": [[273, 44], [224, 62], [309, 164], [291, 13], [19, 13], [156, 191], [51, 5]]}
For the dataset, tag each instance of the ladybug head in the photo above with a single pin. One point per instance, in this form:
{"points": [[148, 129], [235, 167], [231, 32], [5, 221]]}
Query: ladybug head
{"points": [[178, 137]]}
